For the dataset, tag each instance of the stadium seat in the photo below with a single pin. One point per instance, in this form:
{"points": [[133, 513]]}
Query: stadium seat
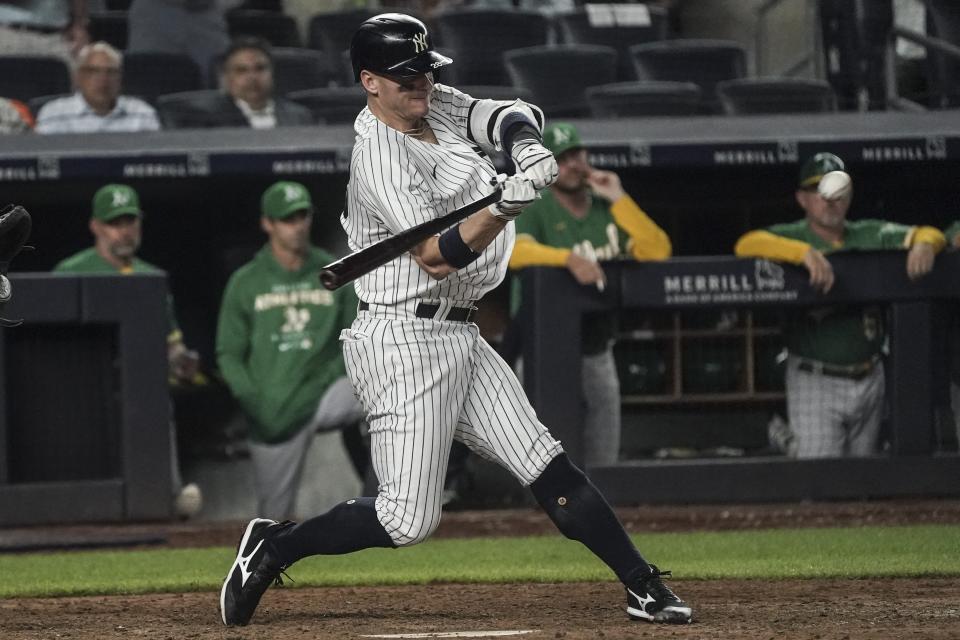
{"points": [[297, 69], [332, 105], [944, 17], [332, 32], [477, 38], [186, 109], [705, 62], [619, 29], [109, 26], [775, 95], [35, 104], [278, 29], [644, 98], [262, 5], [559, 76], [148, 75], [26, 77]]}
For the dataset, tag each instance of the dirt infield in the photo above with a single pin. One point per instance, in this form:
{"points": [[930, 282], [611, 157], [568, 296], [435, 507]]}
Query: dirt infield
{"points": [[900, 608], [853, 609]]}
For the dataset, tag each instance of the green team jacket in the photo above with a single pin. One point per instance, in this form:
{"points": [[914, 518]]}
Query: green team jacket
{"points": [[841, 335], [549, 223], [278, 341], [91, 262]]}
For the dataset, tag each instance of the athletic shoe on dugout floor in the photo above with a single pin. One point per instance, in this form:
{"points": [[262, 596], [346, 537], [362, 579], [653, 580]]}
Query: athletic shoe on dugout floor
{"points": [[649, 599], [255, 568]]}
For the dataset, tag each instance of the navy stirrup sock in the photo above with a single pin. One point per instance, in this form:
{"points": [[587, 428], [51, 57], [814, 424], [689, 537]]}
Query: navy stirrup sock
{"points": [[581, 513], [349, 526]]}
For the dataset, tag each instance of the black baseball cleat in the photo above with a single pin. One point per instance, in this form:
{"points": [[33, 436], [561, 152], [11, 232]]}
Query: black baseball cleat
{"points": [[255, 569], [649, 599]]}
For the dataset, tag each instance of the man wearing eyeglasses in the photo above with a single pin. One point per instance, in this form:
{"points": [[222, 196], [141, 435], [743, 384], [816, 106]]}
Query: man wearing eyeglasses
{"points": [[97, 105]]}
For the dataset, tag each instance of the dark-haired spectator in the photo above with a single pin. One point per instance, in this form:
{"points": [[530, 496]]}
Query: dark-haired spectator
{"points": [[43, 28], [247, 99], [14, 117], [196, 28], [97, 104]]}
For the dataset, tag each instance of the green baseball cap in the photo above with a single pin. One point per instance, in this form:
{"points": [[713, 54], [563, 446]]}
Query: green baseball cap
{"points": [[817, 166], [283, 199], [115, 200], [560, 137]]}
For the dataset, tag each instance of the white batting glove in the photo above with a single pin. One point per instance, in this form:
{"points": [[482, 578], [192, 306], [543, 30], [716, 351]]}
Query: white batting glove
{"points": [[536, 163], [518, 192]]}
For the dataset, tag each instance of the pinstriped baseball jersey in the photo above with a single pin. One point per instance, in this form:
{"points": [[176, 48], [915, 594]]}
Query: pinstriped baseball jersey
{"points": [[424, 382], [397, 182]]}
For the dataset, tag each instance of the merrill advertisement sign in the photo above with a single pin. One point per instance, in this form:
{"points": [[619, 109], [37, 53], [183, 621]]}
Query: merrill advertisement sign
{"points": [[733, 282]]}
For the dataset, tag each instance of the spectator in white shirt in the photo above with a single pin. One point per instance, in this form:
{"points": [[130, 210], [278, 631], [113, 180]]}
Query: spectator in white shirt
{"points": [[97, 105]]}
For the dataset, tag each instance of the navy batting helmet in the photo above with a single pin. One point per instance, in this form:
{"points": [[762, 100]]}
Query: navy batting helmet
{"points": [[394, 44]]}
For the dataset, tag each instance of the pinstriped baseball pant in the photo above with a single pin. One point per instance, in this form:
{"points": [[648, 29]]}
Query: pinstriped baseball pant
{"points": [[422, 383], [832, 417]]}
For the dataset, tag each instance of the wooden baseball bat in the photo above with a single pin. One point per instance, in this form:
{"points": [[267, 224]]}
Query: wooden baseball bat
{"points": [[349, 268]]}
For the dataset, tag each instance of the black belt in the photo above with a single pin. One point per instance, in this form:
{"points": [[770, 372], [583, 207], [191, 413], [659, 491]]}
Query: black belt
{"points": [[857, 371], [428, 310]]}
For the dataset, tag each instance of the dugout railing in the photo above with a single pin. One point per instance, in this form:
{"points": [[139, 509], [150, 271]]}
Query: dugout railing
{"points": [[554, 308]]}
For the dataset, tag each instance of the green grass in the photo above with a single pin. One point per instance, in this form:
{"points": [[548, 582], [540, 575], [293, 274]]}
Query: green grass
{"points": [[767, 554]]}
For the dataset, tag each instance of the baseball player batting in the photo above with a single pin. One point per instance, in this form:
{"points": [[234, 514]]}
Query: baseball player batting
{"points": [[418, 365]]}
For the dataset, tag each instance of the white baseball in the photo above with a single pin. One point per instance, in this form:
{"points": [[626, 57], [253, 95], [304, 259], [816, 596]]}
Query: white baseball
{"points": [[835, 185]]}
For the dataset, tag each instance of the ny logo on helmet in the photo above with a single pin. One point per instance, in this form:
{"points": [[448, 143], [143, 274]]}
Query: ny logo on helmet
{"points": [[120, 198], [291, 193], [420, 42]]}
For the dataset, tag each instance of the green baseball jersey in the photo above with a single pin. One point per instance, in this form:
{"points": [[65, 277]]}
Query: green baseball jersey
{"points": [[550, 223], [844, 334], [89, 261], [278, 341]]}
